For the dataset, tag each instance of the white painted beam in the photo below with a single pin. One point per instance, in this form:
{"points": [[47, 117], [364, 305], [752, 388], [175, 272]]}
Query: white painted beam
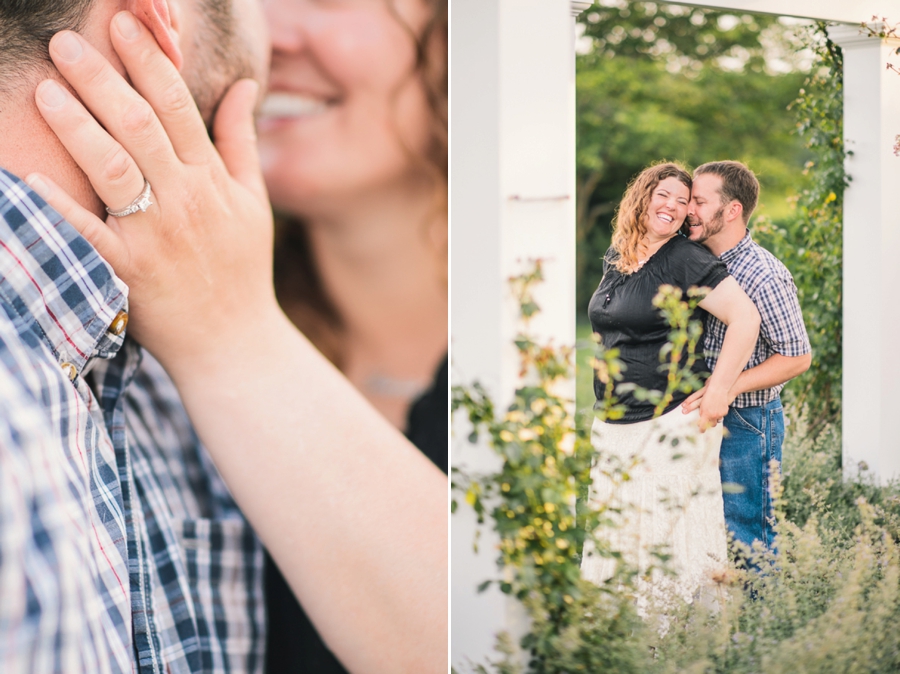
{"points": [[512, 199], [871, 252], [843, 11], [476, 297]]}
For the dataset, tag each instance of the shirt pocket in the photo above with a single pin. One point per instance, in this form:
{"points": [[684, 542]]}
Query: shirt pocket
{"points": [[224, 563]]}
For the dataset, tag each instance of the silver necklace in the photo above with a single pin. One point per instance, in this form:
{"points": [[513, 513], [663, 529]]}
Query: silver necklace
{"points": [[395, 387]]}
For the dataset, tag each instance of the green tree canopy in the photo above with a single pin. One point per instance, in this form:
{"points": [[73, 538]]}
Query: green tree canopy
{"points": [[670, 82]]}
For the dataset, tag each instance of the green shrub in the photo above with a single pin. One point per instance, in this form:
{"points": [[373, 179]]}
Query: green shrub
{"points": [[828, 601]]}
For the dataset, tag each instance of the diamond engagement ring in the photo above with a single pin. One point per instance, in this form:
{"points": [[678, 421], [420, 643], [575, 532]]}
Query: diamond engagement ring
{"points": [[142, 203]]}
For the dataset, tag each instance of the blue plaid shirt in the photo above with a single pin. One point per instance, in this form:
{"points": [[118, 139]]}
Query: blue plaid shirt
{"points": [[120, 547], [771, 287]]}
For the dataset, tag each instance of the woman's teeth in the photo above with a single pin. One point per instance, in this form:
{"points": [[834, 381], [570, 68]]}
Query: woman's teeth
{"points": [[281, 104]]}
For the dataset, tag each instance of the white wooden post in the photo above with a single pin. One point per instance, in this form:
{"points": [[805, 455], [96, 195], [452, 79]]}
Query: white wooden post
{"points": [[871, 254], [512, 200]]}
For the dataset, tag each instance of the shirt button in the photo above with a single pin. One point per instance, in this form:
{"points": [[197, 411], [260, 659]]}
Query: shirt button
{"points": [[70, 370], [117, 327]]}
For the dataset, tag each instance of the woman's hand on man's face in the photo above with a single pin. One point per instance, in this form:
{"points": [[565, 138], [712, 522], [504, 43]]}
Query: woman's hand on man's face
{"points": [[200, 257]]}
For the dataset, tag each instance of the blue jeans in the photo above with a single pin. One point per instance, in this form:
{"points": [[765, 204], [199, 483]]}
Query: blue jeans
{"points": [[754, 436]]}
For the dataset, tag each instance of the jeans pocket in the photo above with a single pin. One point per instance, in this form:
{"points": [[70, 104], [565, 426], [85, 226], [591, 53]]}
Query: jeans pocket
{"points": [[745, 421]]}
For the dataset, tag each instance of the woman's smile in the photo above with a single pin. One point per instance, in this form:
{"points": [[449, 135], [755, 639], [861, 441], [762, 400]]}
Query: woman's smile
{"points": [[668, 208]]}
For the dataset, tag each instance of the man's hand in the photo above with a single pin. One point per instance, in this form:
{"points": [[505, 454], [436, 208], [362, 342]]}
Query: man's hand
{"points": [[776, 369], [713, 404]]}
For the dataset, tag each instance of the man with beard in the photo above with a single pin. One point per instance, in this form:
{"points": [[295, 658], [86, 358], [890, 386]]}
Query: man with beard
{"points": [[723, 197], [120, 547]]}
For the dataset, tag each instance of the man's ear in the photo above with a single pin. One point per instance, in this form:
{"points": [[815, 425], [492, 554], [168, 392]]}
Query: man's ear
{"points": [[159, 18], [735, 211]]}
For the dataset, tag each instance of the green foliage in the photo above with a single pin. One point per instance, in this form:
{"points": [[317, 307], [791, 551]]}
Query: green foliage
{"points": [[531, 500], [683, 37], [536, 500], [815, 488], [662, 81], [829, 601], [679, 354], [810, 243]]}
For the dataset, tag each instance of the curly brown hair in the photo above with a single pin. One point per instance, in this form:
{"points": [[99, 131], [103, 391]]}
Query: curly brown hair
{"points": [[629, 223]]}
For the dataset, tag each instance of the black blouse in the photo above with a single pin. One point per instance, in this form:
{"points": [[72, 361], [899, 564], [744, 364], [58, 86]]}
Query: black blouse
{"points": [[293, 645], [622, 312]]}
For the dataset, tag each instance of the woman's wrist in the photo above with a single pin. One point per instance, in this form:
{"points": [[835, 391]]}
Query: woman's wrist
{"points": [[715, 386], [226, 343]]}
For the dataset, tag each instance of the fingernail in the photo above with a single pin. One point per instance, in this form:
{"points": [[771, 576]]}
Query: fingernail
{"points": [[38, 185], [52, 95], [67, 46], [127, 25]]}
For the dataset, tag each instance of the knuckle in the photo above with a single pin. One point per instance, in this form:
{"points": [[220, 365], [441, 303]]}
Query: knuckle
{"points": [[116, 166], [175, 98], [138, 119], [96, 73]]}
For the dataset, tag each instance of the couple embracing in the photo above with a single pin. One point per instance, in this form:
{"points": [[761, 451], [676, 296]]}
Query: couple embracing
{"points": [[692, 231]]}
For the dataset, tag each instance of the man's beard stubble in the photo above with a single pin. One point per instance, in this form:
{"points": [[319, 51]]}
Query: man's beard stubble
{"points": [[713, 227], [221, 58]]}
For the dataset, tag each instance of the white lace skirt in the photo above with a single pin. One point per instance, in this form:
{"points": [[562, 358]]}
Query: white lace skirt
{"points": [[672, 504]]}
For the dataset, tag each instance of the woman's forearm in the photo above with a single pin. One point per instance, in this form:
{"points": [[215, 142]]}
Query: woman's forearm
{"points": [[353, 514], [737, 347]]}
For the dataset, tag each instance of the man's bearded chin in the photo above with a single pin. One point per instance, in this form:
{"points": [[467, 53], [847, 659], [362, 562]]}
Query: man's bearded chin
{"points": [[221, 59], [208, 93], [712, 227]]}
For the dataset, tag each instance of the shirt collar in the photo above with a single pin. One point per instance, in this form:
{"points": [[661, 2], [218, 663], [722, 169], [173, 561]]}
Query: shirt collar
{"points": [[742, 245], [52, 277]]}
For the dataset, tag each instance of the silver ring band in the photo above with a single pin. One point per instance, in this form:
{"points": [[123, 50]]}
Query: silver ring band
{"points": [[142, 203]]}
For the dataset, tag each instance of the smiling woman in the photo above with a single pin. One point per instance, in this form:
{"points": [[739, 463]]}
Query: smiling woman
{"points": [[656, 506], [353, 143]]}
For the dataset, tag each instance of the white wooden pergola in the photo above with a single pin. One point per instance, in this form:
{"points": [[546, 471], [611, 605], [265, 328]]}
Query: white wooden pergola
{"points": [[512, 199]]}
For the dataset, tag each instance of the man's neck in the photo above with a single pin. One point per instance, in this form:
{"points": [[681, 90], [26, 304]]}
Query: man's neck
{"points": [[30, 146], [728, 238]]}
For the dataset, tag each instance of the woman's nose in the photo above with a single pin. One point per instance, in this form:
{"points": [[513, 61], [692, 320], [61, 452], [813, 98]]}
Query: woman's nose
{"points": [[285, 24]]}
